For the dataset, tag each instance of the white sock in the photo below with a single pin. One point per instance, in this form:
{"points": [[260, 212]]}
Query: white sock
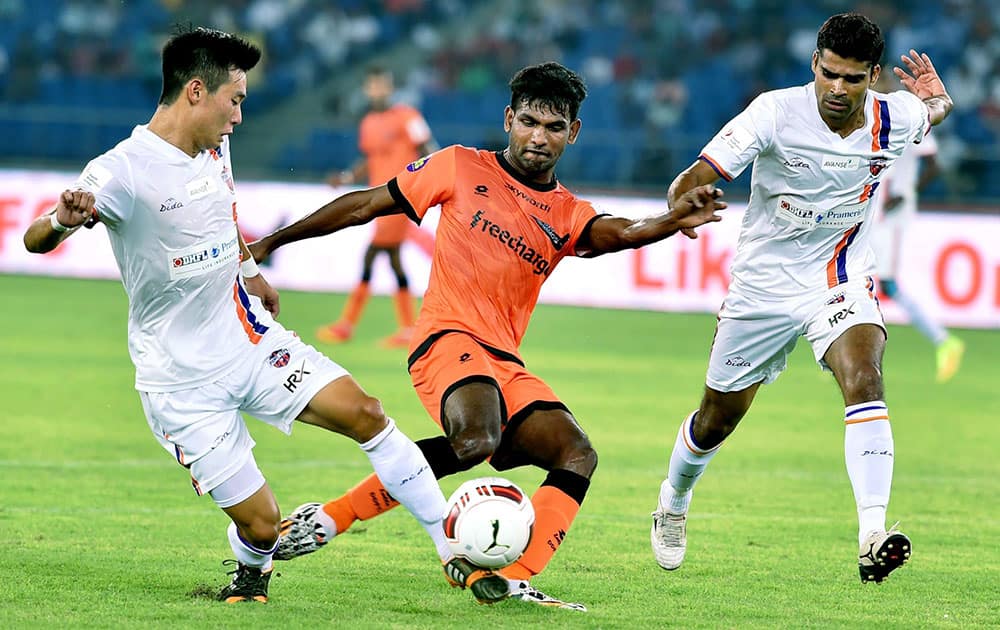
{"points": [[329, 525], [247, 553], [404, 471], [868, 452], [687, 462], [920, 320]]}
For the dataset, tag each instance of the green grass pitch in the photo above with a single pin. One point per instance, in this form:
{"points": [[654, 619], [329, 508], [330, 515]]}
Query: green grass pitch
{"points": [[100, 527]]}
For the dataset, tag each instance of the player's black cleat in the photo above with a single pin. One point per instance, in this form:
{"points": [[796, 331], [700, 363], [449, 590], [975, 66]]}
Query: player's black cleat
{"points": [[249, 584], [882, 553], [487, 587]]}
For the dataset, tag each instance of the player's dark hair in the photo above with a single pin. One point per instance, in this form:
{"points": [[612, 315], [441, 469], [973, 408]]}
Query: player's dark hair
{"points": [[376, 70], [550, 85], [204, 53], [852, 36]]}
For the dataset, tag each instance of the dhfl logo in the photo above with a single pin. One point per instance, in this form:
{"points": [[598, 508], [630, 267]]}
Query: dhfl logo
{"points": [[279, 358]]}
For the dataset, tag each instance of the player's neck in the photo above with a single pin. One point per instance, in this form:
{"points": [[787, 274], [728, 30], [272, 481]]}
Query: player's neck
{"points": [[167, 124], [846, 128]]}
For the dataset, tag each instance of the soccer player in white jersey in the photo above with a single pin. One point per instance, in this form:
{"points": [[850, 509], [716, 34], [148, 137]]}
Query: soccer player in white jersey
{"points": [[895, 209], [200, 329], [803, 267]]}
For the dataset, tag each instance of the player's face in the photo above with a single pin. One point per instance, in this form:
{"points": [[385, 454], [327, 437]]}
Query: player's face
{"points": [[537, 137], [221, 110], [841, 86], [378, 89]]}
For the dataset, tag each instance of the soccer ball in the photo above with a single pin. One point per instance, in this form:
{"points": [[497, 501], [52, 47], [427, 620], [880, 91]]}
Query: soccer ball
{"points": [[488, 522]]}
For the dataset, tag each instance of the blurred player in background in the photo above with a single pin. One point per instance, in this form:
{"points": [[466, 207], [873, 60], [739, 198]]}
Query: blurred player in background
{"points": [[506, 222], [895, 209], [200, 330], [390, 137], [803, 267]]}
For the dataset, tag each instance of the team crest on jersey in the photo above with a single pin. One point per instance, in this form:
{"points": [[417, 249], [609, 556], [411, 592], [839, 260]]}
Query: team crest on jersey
{"points": [[876, 165], [279, 358], [416, 165]]}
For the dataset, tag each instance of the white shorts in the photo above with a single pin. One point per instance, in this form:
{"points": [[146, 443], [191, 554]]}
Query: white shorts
{"points": [[203, 427], [754, 337]]}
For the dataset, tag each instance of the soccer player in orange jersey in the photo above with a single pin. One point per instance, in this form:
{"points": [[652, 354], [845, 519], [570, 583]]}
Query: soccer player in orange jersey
{"points": [[506, 222], [390, 137]]}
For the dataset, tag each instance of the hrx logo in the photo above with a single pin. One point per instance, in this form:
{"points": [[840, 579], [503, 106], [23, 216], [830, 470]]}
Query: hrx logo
{"points": [[842, 315], [296, 377]]}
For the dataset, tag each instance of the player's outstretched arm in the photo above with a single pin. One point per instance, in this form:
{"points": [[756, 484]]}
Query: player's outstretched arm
{"points": [[923, 81], [354, 208], [694, 208], [75, 208]]}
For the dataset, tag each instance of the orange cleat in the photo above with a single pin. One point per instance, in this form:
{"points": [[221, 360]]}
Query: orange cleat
{"points": [[399, 339], [338, 332]]}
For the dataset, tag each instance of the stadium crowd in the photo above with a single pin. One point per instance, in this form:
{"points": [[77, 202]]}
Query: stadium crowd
{"points": [[662, 73]]}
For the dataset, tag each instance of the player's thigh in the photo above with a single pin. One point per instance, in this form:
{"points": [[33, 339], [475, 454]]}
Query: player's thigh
{"points": [[456, 381], [290, 378], [548, 436], [752, 343], [842, 309], [203, 430]]}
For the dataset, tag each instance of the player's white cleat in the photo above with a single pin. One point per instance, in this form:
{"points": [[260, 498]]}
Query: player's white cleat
{"points": [[669, 538], [300, 533], [522, 591], [881, 553]]}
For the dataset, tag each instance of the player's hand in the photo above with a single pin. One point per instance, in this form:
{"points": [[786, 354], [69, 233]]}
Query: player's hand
{"points": [[268, 295], [922, 79], [697, 207], [75, 207]]}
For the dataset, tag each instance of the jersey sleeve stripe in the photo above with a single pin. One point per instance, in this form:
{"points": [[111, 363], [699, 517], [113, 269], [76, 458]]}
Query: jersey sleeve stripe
{"points": [[401, 200], [715, 167]]}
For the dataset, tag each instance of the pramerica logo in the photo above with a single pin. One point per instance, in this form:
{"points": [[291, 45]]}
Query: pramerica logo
{"points": [[513, 242]]}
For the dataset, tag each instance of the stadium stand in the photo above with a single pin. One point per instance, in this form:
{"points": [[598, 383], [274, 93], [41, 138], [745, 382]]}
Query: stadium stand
{"points": [[75, 75]]}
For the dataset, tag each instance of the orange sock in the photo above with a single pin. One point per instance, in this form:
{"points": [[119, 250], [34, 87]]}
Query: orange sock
{"points": [[355, 304], [403, 302], [554, 513], [366, 500]]}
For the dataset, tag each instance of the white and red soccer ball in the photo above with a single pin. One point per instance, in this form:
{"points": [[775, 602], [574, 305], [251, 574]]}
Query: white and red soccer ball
{"points": [[488, 522]]}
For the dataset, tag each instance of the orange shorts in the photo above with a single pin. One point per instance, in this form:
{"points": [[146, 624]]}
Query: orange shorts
{"points": [[390, 231], [456, 358]]}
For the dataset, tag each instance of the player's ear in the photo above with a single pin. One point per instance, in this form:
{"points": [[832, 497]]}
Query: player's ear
{"points": [[574, 130], [508, 119], [876, 71], [195, 90], [815, 61]]}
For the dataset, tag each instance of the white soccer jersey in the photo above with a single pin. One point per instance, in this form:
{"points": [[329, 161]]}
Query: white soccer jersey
{"points": [[171, 221], [901, 180], [806, 224]]}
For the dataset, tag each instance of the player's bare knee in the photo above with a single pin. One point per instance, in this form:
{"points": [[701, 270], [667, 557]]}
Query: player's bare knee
{"points": [[580, 458], [472, 448], [369, 418], [862, 382]]}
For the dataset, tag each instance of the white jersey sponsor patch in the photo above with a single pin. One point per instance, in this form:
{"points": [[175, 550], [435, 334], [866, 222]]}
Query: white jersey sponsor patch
{"points": [[808, 217], [203, 258]]}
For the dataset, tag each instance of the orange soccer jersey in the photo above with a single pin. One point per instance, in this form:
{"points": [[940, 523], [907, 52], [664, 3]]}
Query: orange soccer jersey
{"points": [[390, 140], [498, 239]]}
